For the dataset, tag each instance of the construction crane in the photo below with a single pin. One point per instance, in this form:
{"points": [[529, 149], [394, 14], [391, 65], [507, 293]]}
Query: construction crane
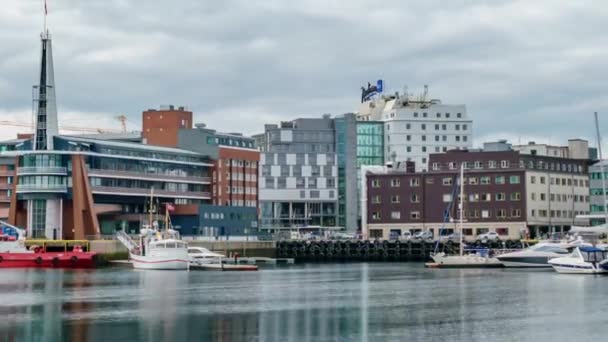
{"points": [[123, 122], [64, 128]]}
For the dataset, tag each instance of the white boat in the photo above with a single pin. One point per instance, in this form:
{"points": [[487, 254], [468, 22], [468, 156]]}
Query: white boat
{"points": [[472, 259], [583, 260], [201, 255], [535, 256], [157, 250]]}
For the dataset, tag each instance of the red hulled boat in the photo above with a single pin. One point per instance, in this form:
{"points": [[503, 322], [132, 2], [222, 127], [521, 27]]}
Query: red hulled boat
{"points": [[14, 254]]}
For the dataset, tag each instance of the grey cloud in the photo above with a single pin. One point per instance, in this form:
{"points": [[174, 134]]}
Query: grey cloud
{"points": [[523, 68]]}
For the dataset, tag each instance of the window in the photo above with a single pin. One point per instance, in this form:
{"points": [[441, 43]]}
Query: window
{"points": [[499, 180], [504, 164], [457, 127], [415, 182], [444, 127], [408, 126], [532, 179], [414, 198], [423, 126], [395, 215], [447, 115], [435, 166], [477, 165], [543, 197], [459, 115], [408, 137], [515, 196], [447, 198], [464, 127], [452, 165], [395, 199], [436, 127], [375, 183], [415, 114], [486, 197], [376, 199], [395, 182], [492, 164], [484, 180], [500, 196], [515, 213], [415, 215], [375, 215], [502, 231], [472, 180], [408, 149], [484, 214], [424, 115], [447, 181], [542, 180], [501, 213], [438, 115], [473, 197], [423, 138]]}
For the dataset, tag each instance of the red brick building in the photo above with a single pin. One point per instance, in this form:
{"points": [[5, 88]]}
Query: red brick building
{"points": [[161, 127]]}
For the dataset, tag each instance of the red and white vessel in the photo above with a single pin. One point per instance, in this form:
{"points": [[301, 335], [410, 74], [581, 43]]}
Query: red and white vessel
{"points": [[14, 253]]}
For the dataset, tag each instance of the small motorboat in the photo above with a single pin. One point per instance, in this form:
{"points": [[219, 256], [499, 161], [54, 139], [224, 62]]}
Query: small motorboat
{"points": [[537, 255], [201, 255], [583, 260]]}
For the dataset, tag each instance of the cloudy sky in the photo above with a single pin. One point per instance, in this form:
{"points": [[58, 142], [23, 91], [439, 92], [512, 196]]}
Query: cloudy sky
{"points": [[527, 70]]}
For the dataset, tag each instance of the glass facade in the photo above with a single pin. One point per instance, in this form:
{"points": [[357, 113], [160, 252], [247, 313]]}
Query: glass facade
{"points": [[38, 217], [370, 143], [341, 128]]}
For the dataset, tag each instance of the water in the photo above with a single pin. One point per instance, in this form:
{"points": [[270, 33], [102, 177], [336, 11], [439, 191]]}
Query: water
{"points": [[326, 302]]}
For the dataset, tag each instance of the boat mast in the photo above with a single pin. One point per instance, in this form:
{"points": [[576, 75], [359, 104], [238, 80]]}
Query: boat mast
{"points": [[461, 208], [599, 150], [150, 207]]}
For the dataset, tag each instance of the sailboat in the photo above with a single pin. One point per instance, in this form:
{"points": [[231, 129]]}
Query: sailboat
{"points": [[462, 260], [157, 249]]}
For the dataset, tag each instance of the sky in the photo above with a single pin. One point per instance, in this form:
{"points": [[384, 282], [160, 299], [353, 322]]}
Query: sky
{"points": [[527, 70]]}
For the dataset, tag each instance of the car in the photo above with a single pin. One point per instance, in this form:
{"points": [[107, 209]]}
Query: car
{"points": [[487, 237], [424, 235], [343, 236], [407, 235], [454, 237]]}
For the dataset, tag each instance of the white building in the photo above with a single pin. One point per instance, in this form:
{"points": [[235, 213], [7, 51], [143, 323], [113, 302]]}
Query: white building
{"points": [[414, 128]]}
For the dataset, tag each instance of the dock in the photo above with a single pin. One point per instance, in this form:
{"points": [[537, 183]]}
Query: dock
{"points": [[222, 267]]}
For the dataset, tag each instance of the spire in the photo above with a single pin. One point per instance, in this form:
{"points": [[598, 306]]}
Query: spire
{"points": [[43, 96]]}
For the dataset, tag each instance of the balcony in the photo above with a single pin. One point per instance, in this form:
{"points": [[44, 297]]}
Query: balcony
{"points": [[107, 190], [7, 173], [41, 188], [42, 170], [4, 199], [148, 176]]}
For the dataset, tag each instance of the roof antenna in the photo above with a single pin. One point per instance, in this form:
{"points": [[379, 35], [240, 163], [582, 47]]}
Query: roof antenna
{"points": [[45, 14]]}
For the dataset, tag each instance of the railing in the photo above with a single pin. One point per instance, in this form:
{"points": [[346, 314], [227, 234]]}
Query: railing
{"points": [[146, 175], [5, 173], [146, 192], [6, 186], [46, 170], [21, 188]]}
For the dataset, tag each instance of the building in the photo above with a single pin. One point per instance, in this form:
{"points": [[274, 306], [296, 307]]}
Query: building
{"points": [[358, 143], [597, 184], [507, 192], [161, 127], [415, 127], [298, 175]]}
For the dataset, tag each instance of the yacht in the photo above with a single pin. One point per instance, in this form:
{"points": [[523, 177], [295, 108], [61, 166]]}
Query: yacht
{"points": [[473, 258], [583, 260], [201, 255], [535, 256]]}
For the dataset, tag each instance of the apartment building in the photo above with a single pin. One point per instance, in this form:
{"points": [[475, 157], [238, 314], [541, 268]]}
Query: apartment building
{"points": [[298, 175], [507, 192]]}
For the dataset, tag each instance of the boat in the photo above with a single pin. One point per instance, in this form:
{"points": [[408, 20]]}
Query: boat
{"points": [[157, 249], [583, 260], [537, 255], [201, 255], [473, 258], [14, 253]]}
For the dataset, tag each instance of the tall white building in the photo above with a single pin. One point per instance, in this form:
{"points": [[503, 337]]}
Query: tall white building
{"points": [[416, 127]]}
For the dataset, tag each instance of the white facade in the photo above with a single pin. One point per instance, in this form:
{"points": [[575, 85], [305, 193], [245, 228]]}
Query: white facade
{"points": [[412, 132], [555, 199]]}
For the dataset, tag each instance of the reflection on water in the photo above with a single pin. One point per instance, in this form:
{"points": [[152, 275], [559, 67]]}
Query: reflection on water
{"points": [[326, 302]]}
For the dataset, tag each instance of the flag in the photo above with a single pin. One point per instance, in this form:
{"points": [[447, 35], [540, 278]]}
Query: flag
{"points": [[170, 207]]}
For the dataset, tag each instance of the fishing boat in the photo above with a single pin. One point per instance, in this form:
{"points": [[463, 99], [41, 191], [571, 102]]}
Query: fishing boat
{"points": [[473, 258], [157, 249], [14, 253], [583, 260]]}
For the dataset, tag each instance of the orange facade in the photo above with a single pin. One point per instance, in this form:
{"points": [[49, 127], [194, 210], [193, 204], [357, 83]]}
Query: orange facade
{"points": [[235, 178], [161, 127]]}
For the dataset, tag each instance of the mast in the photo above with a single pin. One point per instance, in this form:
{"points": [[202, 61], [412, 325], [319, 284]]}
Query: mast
{"points": [[150, 207], [599, 150], [461, 208]]}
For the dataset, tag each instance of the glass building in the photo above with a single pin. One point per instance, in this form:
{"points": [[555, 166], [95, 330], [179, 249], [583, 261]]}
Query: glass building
{"points": [[358, 143]]}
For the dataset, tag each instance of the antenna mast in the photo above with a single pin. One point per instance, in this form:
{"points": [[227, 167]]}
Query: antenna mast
{"points": [[599, 150]]}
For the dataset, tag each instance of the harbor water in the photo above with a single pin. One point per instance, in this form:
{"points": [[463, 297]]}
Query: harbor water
{"points": [[310, 302]]}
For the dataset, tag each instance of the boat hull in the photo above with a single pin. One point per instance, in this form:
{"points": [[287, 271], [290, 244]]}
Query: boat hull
{"points": [[158, 263], [48, 260], [525, 262], [465, 261]]}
